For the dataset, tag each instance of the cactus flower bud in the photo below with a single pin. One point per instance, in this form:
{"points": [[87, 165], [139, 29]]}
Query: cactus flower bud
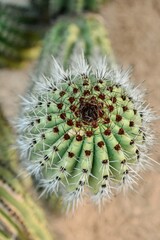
{"points": [[85, 128]]}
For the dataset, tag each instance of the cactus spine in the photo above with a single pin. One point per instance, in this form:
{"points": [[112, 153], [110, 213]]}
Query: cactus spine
{"points": [[20, 217], [85, 127]]}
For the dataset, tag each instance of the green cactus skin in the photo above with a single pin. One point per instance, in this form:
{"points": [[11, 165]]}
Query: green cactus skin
{"points": [[20, 27], [94, 5], [85, 127], [75, 6], [79, 6], [48, 9], [16, 3], [68, 35], [18, 36], [20, 217], [56, 7], [53, 8]]}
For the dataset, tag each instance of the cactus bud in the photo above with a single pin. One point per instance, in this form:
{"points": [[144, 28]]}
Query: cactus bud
{"points": [[85, 128]]}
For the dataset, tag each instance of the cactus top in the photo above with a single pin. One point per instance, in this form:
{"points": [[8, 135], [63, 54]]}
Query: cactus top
{"points": [[85, 128]]}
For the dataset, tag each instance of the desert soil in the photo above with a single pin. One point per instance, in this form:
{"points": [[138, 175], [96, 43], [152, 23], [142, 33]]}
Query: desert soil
{"points": [[134, 30]]}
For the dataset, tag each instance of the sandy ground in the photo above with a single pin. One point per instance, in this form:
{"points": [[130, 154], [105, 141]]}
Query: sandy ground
{"points": [[134, 29]]}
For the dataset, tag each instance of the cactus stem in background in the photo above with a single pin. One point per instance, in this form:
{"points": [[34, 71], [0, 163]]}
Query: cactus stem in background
{"points": [[20, 217]]}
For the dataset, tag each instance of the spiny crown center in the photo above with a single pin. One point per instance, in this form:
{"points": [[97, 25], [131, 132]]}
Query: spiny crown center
{"points": [[88, 112]]}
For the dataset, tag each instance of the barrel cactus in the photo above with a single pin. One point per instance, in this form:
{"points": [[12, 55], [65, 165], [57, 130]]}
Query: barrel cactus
{"points": [[85, 130], [20, 217]]}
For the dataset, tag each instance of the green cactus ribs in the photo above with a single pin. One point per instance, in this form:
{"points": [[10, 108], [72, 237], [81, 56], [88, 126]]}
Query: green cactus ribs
{"points": [[53, 8], [70, 34], [86, 128], [20, 217], [19, 35]]}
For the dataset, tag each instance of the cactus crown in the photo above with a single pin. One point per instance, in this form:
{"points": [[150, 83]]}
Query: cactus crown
{"points": [[85, 127]]}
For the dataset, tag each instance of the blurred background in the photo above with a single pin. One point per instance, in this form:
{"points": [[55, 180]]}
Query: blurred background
{"points": [[134, 31]]}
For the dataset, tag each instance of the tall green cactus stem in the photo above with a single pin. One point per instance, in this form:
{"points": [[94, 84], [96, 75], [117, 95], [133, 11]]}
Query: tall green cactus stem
{"points": [[20, 217], [19, 38], [53, 8], [69, 34], [85, 127]]}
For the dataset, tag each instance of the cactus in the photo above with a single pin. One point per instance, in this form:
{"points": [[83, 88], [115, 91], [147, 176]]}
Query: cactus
{"points": [[79, 6], [94, 5], [85, 130], [67, 36], [16, 3], [21, 27], [20, 217], [18, 35], [47, 9], [53, 8]]}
